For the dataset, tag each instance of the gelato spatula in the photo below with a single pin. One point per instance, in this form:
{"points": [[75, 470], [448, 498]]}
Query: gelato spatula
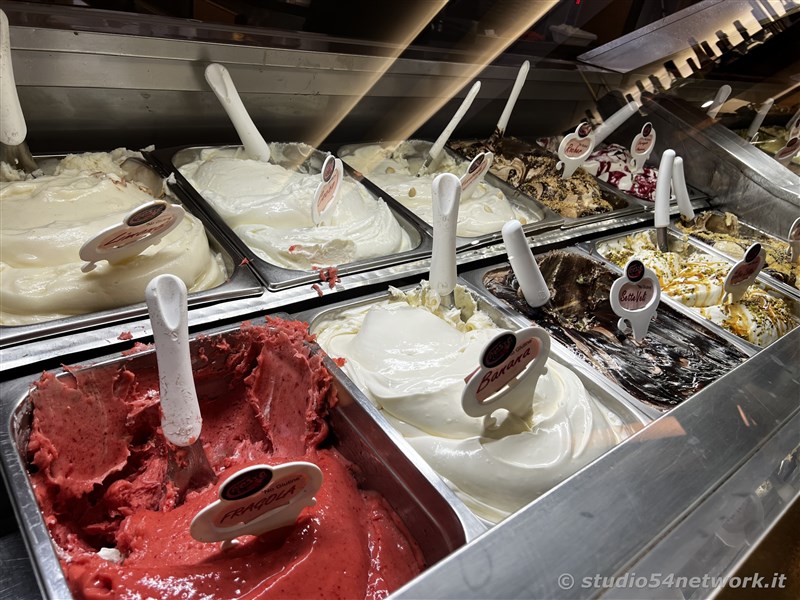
{"points": [[446, 193], [438, 145], [663, 197], [13, 128], [500, 130], [220, 81], [181, 421]]}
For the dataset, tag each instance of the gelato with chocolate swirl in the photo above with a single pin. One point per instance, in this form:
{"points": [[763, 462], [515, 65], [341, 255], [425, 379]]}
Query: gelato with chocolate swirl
{"points": [[676, 359], [532, 170]]}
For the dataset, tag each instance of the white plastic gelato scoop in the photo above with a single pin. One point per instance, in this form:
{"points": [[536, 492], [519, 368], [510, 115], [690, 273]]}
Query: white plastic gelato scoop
{"points": [[220, 81], [446, 192], [526, 270]]}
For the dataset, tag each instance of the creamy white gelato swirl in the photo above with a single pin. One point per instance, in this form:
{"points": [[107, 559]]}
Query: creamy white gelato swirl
{"points": [[410, 357], [269, 208], [44, 221], [485, 211]]}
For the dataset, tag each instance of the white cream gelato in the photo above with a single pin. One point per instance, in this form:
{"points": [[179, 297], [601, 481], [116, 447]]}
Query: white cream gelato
{"points": [[44, 221], [269, 208], [484, 212], [696, 279], [410, 357]]}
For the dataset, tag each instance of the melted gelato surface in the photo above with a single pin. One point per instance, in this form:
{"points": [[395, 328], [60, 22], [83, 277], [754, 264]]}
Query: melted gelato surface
{"points": [[677, 358], [410, 355], [269, 208], [112, 513], [533, 171], [696, 280], [45, 220], [393, 168], [724, 233]]}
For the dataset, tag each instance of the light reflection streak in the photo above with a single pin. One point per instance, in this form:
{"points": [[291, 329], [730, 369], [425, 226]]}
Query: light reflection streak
{"points": [[509, 21], [406, 32]]}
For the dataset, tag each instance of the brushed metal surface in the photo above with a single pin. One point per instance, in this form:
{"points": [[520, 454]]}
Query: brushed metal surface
{"points": [[603, 519]]}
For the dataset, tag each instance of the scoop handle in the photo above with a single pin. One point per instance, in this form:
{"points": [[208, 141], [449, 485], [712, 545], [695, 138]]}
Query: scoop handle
{"points": [[180, 411], [722, 95], [221, 83], [663, 196], [522, 75], [759, 118], [523, 263], [608, 126], [681, 191], [436, 149], [12, 122], [446, 193]]}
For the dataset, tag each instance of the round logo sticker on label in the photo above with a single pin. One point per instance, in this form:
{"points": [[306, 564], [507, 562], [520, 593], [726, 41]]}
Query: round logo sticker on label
{"points": [[509, 359], [744, 272], [246, 483], [575, 149], [141, 228], [258, 499], [635, 297]]}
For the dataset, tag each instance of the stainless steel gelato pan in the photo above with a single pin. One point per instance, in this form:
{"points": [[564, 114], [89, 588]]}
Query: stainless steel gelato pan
{"points": [[393, 170], [724, 233], [693, 277], [531, 169], [431, 513], [678, 357], [265, 209], [410, 362], [46, 296]]}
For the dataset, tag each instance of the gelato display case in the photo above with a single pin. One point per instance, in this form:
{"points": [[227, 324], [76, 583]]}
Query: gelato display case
{"points": [[663, 467]]}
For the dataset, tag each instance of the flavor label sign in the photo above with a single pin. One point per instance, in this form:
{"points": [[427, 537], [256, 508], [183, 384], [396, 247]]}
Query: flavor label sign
{"points": [[258, 499], [744, 273], [575, 149], [475, 173], [787, 153], [328, 191], [642, 146], [635, 297], [142, 227], [509, 359]]}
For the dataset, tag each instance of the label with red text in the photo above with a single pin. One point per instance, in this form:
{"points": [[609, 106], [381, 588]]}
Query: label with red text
{"points": [[574, 149], [642, 146], [141, 228], [327, 192], [257, 499], [744, 272], [635, 297], [476, 170], [508, 359]]}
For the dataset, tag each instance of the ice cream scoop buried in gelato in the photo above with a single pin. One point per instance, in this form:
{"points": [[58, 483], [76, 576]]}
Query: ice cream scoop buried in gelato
{"points": [[45, 220], [98, 466], [394, 167], [410, 355], [676, 359], [696, 279], [533, 171], [724, 233], [269, 208]]}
